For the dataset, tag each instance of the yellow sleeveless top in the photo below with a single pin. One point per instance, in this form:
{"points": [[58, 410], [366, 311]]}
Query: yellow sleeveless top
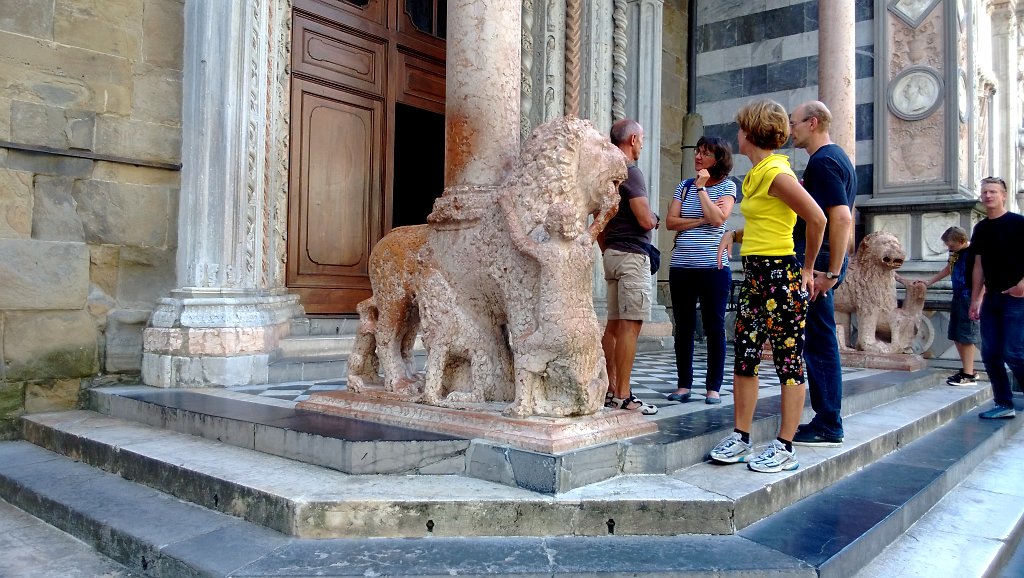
{"points": [[769, 221]]}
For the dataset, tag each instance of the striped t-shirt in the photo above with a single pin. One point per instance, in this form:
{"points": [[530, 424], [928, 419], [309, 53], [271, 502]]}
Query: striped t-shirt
{"points": [[696, 248]]}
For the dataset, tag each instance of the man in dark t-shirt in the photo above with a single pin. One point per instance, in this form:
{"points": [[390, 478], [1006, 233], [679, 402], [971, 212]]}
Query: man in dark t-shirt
{"points": [[627, 270], [997, 294], [832, 182]]}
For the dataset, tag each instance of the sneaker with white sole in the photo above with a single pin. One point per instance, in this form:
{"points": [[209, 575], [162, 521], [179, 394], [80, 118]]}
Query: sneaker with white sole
{"points": [[731, 450], [963, 379], [774, 459], [998, 412]]}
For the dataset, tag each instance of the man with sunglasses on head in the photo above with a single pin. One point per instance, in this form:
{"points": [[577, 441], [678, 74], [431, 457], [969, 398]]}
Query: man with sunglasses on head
{"points": [[832, 182], [997, 294]]}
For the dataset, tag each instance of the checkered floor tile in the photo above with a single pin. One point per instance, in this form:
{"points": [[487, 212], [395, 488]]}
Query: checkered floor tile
{"points": [[653, 378]]}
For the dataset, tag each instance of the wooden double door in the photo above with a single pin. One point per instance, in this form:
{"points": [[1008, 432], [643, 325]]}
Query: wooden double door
{"points": [[367, 137]]}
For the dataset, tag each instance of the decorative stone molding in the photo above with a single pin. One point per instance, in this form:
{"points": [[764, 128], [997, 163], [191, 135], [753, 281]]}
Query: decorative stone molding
{"points": [[222, 324]]}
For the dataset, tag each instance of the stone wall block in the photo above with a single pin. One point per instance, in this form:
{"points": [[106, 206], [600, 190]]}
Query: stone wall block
{"points": [[144, 276], [28, 18], [120, 214], [136, 175], [55, 211], [43, 274], [163, 27], [124, 340], [65, 76], [107, 27], [12, 399], [47, 164], [156, 97], [52, 395], [50, 344], [148, 141], [5, 120], [104, 261], [15, 204], [39, 124]]}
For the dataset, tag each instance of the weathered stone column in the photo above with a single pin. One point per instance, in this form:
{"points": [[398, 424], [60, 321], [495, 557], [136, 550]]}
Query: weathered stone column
{"points": [[230, 308], [837, 74], [482, 92]]}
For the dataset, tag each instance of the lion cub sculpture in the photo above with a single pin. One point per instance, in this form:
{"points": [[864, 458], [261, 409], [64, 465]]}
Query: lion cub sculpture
{"points": [[869, 293], [498, 285]]}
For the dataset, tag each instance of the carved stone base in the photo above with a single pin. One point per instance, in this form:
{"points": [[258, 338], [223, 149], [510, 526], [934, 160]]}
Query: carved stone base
{"points": [[891, 361], [485, 421], [867, 360], [204, 338]]}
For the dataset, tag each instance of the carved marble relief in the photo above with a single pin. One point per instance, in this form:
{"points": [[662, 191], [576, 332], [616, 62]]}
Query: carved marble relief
{"points": [[933, 225]]}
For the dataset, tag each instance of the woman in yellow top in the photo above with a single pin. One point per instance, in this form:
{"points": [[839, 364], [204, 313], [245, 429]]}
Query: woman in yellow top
{"points": [[773, 297]]}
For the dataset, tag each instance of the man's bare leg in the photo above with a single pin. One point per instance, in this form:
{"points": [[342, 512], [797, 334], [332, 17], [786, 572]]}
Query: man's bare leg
{"points": [[625, 333]]}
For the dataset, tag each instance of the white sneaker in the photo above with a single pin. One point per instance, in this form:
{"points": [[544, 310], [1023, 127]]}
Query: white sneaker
{"points": [[731, 450], [774, 459]]}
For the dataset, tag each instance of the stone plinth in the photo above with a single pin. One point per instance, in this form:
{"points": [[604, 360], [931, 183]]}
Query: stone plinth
{"points": [[484, 420], [891, 361]]}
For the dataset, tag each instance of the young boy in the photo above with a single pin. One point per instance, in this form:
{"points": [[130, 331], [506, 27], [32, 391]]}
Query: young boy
{"points": [[964, 332]]}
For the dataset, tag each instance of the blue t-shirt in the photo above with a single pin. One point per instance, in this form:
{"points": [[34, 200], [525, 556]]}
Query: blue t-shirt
{"points": [[831, 180], [961, 268], [696, 247]]}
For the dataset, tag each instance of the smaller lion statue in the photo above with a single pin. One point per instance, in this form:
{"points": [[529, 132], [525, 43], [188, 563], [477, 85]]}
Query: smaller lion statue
{"points": [[869, 293]]}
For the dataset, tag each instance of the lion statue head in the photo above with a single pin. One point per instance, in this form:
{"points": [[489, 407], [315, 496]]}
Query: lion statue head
{"points": [[567, 160]]}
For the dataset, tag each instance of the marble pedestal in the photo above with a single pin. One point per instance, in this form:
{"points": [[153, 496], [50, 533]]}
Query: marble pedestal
{"points": [[485, 421], [891, 361]]}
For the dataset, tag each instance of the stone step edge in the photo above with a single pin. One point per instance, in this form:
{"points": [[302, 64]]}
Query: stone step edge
{"points": [[822, 467], [866, 546], [628, 500], [641, 458], [916, 547], [212, 544], [35, 504]]}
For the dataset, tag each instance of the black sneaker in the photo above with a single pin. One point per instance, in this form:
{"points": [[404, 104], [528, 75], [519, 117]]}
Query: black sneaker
{"points": [[963, 379], [810, 438]]}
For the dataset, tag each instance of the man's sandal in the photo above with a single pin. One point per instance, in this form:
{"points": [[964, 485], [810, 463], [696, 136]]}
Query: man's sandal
{"points": [[644, 408]]}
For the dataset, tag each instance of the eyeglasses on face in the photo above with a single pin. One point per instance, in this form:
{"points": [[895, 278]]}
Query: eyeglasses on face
{"points": [[792, 124], [704, 153]]}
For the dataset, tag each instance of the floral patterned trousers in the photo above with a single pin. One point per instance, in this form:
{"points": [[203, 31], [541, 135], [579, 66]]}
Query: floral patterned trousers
{"points": [[772, 307]]}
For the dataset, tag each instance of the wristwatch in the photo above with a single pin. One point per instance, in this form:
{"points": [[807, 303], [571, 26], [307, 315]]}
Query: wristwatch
{"points": [[702, 189], [831, 275]]}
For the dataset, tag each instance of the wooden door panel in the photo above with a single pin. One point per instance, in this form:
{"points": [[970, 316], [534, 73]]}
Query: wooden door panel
{"points": [[335, 197], [331, 53]]}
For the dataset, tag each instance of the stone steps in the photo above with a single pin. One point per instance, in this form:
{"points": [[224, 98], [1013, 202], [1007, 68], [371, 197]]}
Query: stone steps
{"points": [[835, 532], [311, 501]]}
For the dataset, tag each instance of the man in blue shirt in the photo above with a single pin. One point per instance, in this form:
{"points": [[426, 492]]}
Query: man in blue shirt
{"points": [[832, 182]]}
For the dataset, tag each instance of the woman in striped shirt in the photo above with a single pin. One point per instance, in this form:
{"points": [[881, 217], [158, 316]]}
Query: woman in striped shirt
{"points": [[698, 211]]}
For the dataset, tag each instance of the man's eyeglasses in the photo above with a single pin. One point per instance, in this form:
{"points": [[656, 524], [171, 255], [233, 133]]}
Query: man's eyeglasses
{"points": [[993, 180], [793, 124]]}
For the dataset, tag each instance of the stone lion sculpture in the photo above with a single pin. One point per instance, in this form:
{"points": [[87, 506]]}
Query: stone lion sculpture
{"points": [[499, 285], [869, 293]]}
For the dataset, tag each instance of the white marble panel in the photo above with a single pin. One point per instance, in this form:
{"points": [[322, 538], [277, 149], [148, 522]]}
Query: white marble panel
{"points": [[932, 227], [897, 224]]}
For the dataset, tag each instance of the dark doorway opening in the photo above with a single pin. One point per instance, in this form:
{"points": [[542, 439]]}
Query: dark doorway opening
{"points": [[419, 164]]}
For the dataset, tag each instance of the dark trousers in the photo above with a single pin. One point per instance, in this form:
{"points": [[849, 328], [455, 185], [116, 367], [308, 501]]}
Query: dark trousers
{"points": [[821, 357], [1002, 343], [711, 288]]}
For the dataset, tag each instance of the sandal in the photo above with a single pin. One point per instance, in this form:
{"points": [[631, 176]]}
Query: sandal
{"points": [[609, 399], [643, 408]]}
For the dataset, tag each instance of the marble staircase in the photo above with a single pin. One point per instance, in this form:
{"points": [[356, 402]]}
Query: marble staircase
{"points": [[282, 485]]}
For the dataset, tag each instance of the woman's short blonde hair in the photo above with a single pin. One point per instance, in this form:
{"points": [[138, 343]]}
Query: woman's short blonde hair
{"points": [[766, 124]]}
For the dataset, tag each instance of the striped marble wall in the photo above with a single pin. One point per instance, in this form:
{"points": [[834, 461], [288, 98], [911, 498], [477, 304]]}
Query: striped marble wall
{"points": [[751, 49]]}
